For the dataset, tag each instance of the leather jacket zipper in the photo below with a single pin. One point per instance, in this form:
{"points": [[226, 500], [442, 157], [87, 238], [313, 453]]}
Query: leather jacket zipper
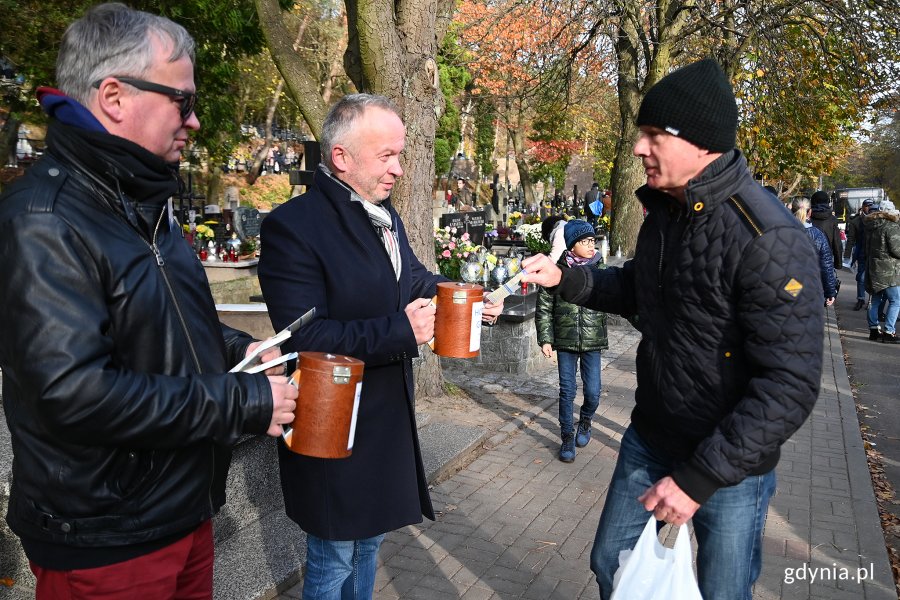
{"points": [[161, 263], [659, 268]]}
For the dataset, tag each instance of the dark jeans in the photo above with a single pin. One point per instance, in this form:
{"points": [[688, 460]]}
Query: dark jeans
{"points": [[861, 280], [590, 379], [728, 526]]}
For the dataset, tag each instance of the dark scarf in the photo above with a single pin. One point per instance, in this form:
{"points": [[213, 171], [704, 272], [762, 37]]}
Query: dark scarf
{"points": [[132, 180]]}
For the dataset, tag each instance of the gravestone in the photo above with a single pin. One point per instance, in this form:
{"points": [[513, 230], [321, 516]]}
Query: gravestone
{"points": [[580, 174], [232, 197], [222, 232], [246, 222], [469, 222]]}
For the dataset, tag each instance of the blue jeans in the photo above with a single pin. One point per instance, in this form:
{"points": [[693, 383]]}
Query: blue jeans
{"points": [[728, 526], [338, 570], [892, 295], [590, 379], [861, 280]]}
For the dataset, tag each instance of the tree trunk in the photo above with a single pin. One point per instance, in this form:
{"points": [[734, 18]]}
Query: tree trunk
{"points": [[391, 51], [517, 137], [297, 75], [213, 184], [637, 52], [627, 174], [263, 152]]}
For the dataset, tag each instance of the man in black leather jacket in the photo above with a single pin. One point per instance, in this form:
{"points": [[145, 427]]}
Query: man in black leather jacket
{"points": [[727, 294], [114, 362]]}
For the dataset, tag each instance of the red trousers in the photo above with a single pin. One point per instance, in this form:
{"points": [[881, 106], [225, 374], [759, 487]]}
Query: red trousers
{"points": [[183, 570]]}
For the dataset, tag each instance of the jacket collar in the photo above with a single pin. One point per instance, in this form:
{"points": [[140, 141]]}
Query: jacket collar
{"points": [[340, 193], [713, 186]]}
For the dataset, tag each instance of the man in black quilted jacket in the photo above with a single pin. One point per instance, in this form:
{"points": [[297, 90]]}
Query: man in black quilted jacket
{"points": [[726, 292]]}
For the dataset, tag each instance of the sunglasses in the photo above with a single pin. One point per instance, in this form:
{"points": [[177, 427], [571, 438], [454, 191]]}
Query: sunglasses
{"points": [[188, 99]]}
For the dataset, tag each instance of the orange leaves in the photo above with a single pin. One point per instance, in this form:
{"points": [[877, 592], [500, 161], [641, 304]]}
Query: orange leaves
{"points": [[512, 44], [551, 151]]}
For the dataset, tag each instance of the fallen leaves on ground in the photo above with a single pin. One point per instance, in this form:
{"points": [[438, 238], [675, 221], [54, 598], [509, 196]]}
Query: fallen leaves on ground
{"points": [[885, 496]]}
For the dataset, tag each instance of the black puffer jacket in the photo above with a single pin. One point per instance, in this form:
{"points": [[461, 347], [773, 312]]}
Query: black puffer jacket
{"points": [[569, 327], [823, 219], [826, 263], [729, 304], [113, 363]]}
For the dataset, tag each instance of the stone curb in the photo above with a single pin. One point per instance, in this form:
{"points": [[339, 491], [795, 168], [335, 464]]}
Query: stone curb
{"points": [[869, 532]]}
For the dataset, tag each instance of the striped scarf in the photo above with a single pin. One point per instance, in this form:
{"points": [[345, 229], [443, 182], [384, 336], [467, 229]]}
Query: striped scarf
{"points": [[579, 261], [381, 220]]}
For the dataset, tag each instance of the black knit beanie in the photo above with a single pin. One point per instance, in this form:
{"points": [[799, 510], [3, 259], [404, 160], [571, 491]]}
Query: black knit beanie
{"points": [[695, 103]]}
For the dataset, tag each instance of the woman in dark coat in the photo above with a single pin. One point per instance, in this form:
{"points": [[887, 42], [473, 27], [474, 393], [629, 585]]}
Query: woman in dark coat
{"points": [[802, 211]]}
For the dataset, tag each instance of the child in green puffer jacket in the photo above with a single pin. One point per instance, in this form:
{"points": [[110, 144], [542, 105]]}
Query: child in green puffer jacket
{"points": [[578, 335]]}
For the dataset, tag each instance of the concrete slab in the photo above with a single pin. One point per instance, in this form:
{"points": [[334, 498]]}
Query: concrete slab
{"points": [[445, 446]]}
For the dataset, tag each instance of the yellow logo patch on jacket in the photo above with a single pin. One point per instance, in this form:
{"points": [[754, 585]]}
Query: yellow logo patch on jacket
{"points": [[793, 287]]}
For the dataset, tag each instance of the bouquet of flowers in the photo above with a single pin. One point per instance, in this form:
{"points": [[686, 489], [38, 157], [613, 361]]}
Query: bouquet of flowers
{"points": [[534, 241], [452, 251], [514, 218], [202, 231], [603, 224]]}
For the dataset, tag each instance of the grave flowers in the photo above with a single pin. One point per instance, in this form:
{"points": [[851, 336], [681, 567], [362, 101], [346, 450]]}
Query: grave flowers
{"points": [[451, 251]]}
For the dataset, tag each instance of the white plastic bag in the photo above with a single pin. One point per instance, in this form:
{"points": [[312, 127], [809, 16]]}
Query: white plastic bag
{"points": [[653, 572]]}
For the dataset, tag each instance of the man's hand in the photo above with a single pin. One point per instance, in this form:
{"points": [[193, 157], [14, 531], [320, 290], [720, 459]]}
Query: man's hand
{"points": [[420, 313], [284, 402], [547, 350], [268, 355], [829, 301], [541, 270], [668, 502], [491, 312]]}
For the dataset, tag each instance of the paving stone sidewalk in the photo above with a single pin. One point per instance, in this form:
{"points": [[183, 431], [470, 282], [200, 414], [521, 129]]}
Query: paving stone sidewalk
{"points": [[518, 523]]}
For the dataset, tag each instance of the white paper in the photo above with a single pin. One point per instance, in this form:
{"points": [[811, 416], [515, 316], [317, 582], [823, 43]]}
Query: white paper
{"points": [[475, 331], [353, 418]]}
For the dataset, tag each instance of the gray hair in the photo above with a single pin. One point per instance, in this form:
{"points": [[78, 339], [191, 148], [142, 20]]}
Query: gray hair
{"points": [[800, 208], [112, 39], [343, 115]]}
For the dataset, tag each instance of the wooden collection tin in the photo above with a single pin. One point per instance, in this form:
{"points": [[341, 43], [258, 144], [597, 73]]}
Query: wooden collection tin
{"points": [[457, 321], [328, 400]]}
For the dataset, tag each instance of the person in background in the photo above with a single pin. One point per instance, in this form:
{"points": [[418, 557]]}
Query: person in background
{"points": [[823, 218], [591, 213], [719, 389], [342, 249], [856, 250], [578, 335], [801, 209], [607, 204], [552, 230], [114, 361], [883, 270]]}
